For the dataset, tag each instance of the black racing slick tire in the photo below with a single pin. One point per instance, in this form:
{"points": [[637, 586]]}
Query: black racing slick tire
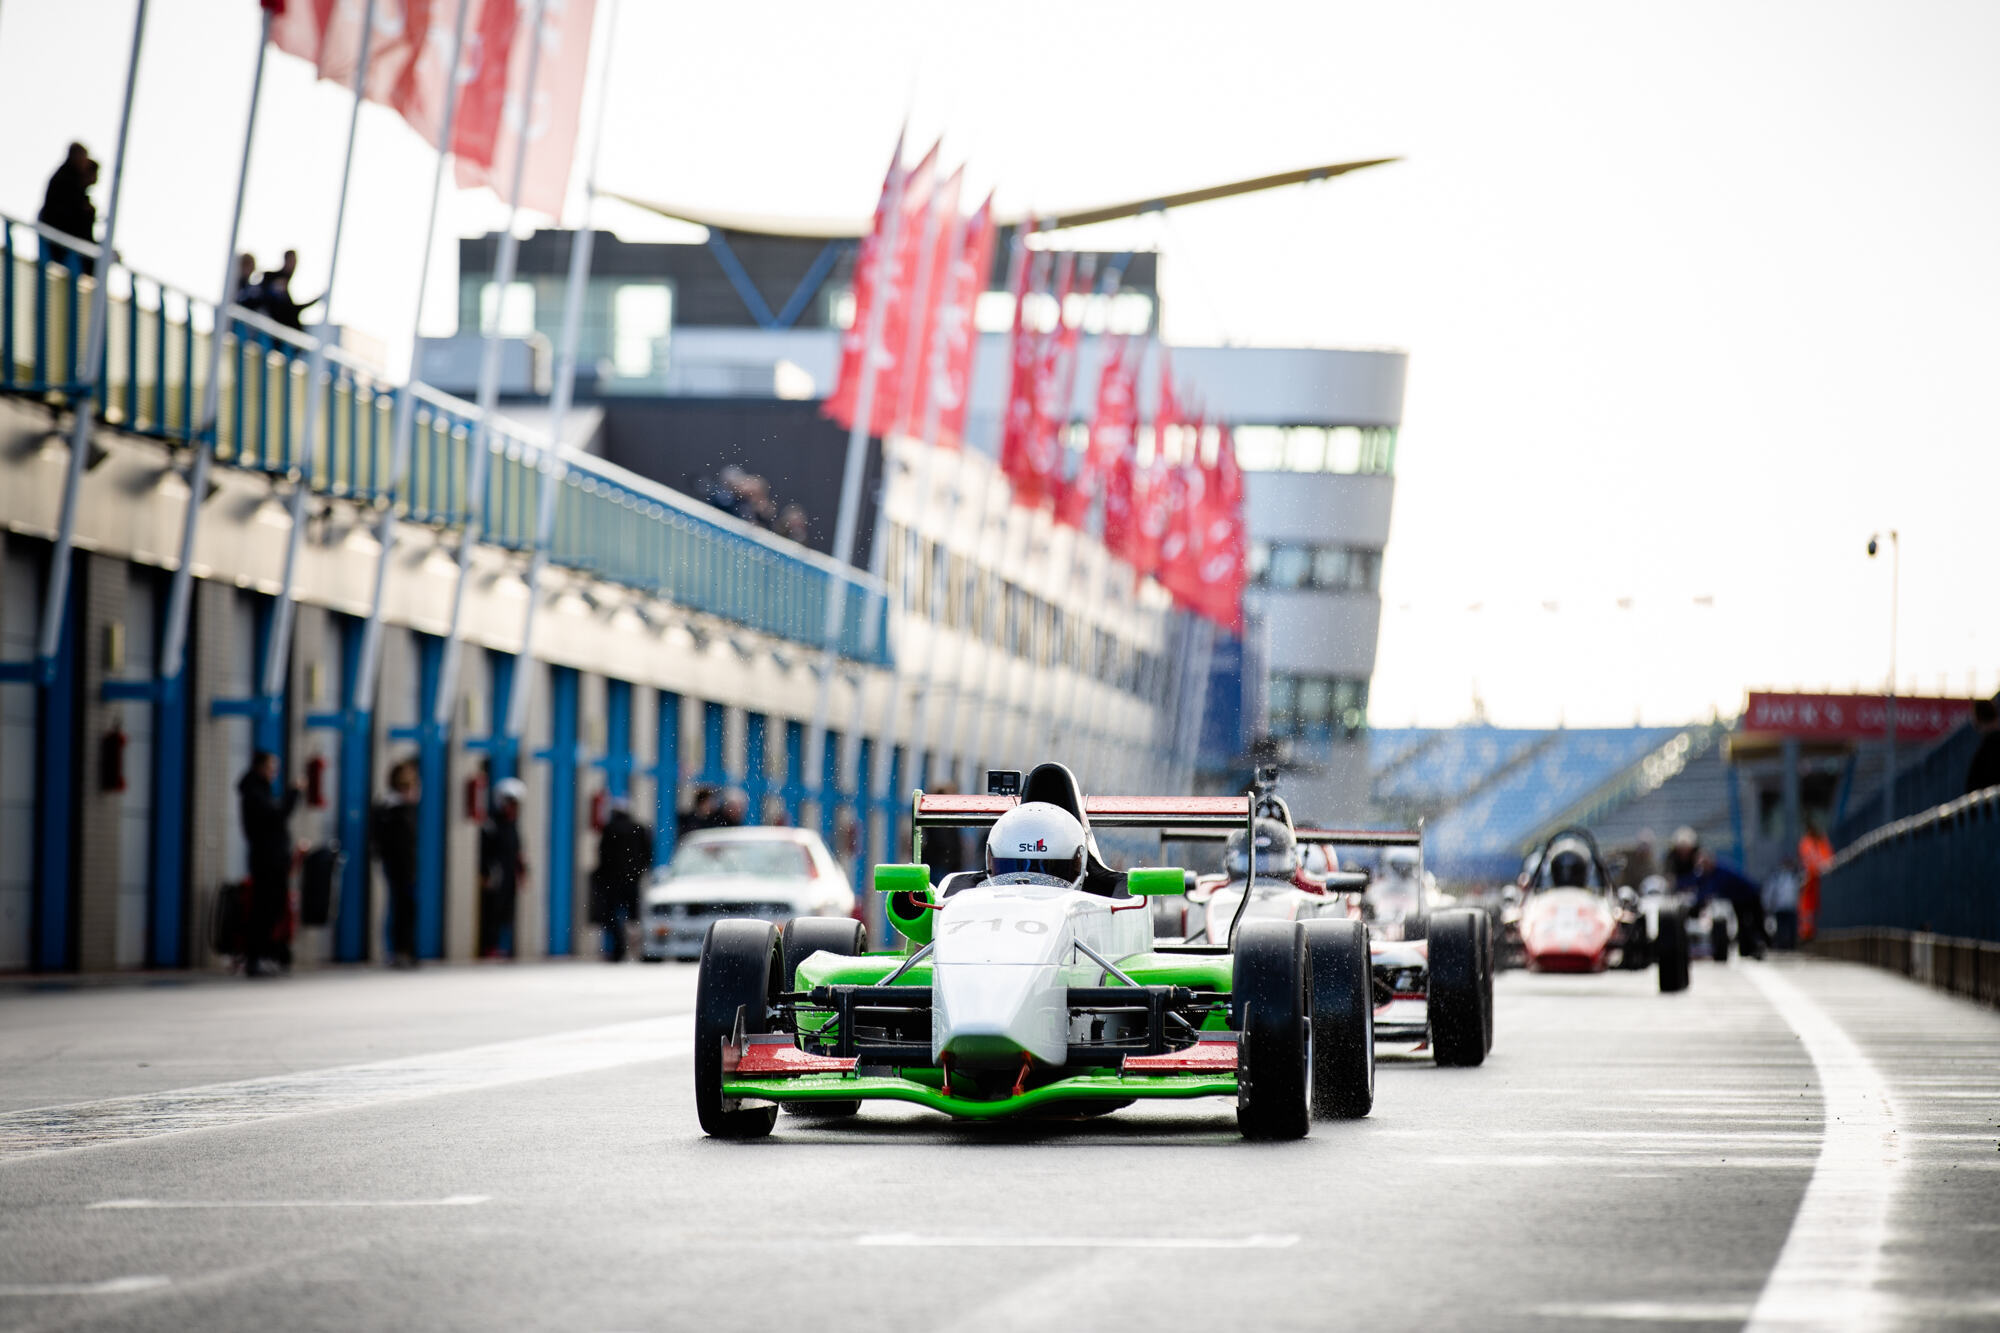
{"points": [[1270, 993], [1485, 928], [1718, 940], [803, 937], [1343, 1019], [1457, 999], [741, 965], [1670, 950]]}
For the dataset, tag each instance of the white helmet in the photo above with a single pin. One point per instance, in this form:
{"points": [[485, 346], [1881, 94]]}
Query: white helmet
{"points": [[1036, 838], [1400, 861]]}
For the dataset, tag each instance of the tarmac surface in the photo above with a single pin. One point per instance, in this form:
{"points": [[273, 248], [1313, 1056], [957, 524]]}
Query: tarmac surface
{"points": [[1789, 1144]]}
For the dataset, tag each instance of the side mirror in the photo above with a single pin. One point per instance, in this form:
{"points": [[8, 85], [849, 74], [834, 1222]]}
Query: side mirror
{"points": [[906, 904], [1156, 882]]}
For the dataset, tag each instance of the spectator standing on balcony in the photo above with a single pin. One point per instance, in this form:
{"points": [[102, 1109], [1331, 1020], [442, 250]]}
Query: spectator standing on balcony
{"points": [[502, 867], [66, 208], [267, 815], [1985, 769], [792, 524], [275, 295], [395, 837]]}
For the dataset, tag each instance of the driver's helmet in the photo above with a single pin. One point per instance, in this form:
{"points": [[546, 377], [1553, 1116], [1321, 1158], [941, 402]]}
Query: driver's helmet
{"points": [[1036, 839], [1277, 851], [1400, 862], [1569, 866]]}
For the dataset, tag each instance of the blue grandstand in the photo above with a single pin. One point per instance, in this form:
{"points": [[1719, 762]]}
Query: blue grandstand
{"points": [[1486, 791]]}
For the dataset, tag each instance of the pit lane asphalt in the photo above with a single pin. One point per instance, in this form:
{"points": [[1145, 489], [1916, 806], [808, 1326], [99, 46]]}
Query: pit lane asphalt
{"points": [[499, 1147]]}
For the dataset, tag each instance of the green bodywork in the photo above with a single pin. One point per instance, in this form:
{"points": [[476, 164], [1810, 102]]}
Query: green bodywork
{"points": [[923, 1085]]}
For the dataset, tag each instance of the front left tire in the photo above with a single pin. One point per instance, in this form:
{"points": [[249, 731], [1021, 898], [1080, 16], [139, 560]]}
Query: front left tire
{"points": [[741, 965], [1459, 999]]}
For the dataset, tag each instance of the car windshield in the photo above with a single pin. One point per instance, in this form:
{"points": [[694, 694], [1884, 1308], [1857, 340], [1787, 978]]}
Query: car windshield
{"points": [[771, 858]]}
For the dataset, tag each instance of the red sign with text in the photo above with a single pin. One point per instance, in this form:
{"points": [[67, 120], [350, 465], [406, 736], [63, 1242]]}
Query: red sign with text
{"points": [[1855, 717]]}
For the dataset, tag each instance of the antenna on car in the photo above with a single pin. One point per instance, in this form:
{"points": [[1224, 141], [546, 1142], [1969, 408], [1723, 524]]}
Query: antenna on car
{"points": [[1250, 865]]}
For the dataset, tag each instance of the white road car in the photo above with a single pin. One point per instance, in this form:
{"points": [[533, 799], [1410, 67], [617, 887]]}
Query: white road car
{"points": [[768, 874]]}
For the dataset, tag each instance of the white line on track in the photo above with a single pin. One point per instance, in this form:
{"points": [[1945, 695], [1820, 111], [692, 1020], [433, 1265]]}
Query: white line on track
{"points": [[33, 1133], [116, 1286], [141, 1205], [1826, 1274], [904, 1240]]}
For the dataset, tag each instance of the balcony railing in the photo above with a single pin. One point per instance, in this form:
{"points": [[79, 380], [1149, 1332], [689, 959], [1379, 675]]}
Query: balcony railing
{"points": [[612, 523]]}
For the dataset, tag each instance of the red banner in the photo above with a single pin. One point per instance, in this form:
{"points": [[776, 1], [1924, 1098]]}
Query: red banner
{"points": [[1113, 427], [1224, 545], [1024, 355], [961, 333], [548, 120], [407, 55], [1852, 716], [841, 404], [899, 291], [1036, 468], [944, 256]]}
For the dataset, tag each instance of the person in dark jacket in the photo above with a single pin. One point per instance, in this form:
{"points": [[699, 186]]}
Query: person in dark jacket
{"points": [[66, 208], [1713, 879], [624, 857], [274, 296], [267, 816], [501, 869], [701, 812], [395, 835], [1985, 769]]}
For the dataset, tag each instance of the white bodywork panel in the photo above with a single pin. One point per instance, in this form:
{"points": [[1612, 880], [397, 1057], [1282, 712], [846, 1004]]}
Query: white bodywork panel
{"points": [[1004, 960]]}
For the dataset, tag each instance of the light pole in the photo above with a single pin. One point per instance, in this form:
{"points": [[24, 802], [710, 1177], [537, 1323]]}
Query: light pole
{"points": [[1895, 588]]}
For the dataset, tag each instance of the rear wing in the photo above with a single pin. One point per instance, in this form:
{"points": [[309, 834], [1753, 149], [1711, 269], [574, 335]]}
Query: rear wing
{"points": [[1216, 815]]}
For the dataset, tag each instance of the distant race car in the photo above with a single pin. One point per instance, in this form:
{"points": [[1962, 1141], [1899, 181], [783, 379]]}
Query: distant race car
{"points": [[1431, 970], [1571, 919], [1026, 991], [771, 874]]}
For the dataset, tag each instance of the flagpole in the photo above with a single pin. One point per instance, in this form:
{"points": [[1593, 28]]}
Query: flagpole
{"points": [[406, 406], [180, 593], [853, 472], [489, 392], [553, 467], [278, 643], [55, 605]]}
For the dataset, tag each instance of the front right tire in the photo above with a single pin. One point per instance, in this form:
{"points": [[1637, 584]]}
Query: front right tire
{"points": [[1459, 998], [1270, 994], [1343, 1019], [741, 965]]}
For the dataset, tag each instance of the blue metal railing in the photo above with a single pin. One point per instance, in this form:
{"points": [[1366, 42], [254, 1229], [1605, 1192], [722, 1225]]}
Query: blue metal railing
{"points": [[1938, 872], [612, 523]]}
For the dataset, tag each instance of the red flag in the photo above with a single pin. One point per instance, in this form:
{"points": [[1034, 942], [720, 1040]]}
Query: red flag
{"points": [[898, 291], [916, 385], [1223, 572], [548, 121], [1024, 354], [961, 332], [868, 259], [1113, 427], [1036, 470], [1181, 544]]}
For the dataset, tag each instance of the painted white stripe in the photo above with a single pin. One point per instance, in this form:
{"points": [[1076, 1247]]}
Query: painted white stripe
{"points": [[33, 1133], [905, 1240], [1692, 1161], [117, 1286], [1825, 1277], [136, 1205]]}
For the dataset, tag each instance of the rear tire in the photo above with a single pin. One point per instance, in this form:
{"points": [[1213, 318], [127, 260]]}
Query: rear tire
{"points": [[1270, 993], [741, 965], [1343, 1019], [1718, 940], [1671, 950], [1457, 997], [1486, 963], [803, 937]]}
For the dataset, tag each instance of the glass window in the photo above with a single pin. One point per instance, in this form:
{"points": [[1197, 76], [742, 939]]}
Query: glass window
{"points": [[1343, 449], [517, 311], [1305, 449], [1290, 566], [641, 314], [1260, 561], [1331, 567], [1315, 700], [774, 858], [1260, 448]]}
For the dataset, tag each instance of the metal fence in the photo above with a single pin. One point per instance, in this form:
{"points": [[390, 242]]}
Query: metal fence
{"points": [[612, 523], [1937, 872], [1930, 779]]}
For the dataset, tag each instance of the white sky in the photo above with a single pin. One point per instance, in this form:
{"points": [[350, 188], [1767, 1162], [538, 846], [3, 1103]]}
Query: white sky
{"points": [[1696, 295]]}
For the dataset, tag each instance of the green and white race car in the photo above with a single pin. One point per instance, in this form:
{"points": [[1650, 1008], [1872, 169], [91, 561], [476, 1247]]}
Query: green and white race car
{"points": [[1023, 992]]}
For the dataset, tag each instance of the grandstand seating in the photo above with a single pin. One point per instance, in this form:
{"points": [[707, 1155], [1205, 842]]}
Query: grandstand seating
{"points": [[1455, 763], [1481, 837], [1390, 746]]}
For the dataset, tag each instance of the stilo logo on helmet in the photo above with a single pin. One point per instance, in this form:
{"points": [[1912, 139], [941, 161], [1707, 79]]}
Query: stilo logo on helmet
{"points": [[1038, 845]]}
